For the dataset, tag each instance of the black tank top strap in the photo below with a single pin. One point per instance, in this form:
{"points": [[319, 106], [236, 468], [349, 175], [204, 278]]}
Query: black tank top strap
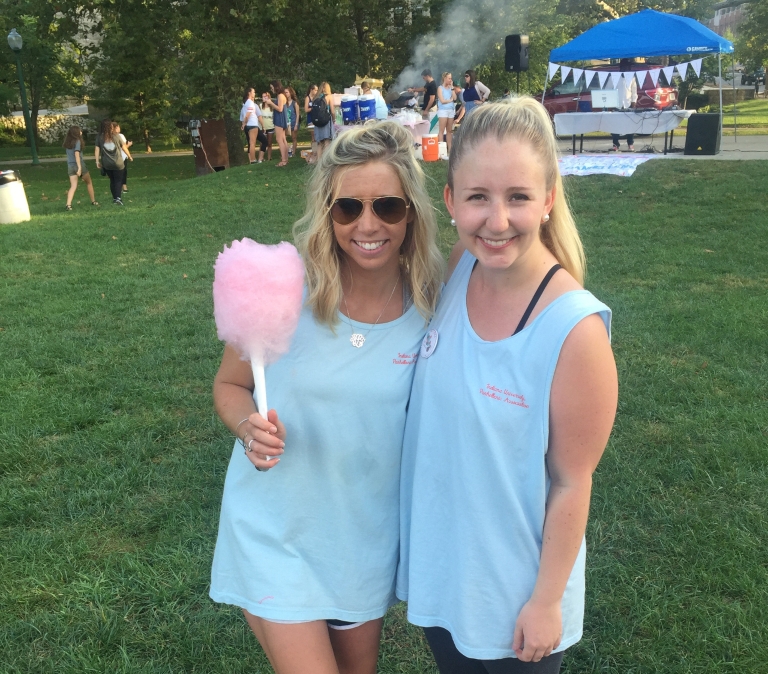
{"points": [[536, 297]]}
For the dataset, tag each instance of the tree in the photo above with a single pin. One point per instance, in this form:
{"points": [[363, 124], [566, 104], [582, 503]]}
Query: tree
{"points": [[136, 66], [752, 43], [51, 55]]}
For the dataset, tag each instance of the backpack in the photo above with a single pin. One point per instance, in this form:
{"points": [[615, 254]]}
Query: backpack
{"points": [[321, 115]]}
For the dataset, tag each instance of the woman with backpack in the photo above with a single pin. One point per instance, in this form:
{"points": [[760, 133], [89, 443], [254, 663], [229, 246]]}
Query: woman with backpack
{"points": [[109, 158], [323, 114]]}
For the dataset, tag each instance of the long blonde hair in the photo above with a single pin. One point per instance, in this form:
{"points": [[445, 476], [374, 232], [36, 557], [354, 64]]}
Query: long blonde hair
{"points": [[524, 118], [420, 259]]}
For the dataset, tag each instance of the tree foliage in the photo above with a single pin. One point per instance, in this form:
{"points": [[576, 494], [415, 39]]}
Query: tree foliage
{"points": [[752, 44], [50, 57]]}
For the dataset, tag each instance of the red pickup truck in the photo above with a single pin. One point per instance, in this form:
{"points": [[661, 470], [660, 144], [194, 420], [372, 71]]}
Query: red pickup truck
{"points": [[567, 97]]}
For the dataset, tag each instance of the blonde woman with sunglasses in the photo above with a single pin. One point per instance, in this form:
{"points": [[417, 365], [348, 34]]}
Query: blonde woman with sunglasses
{"points": [[309, 532]]}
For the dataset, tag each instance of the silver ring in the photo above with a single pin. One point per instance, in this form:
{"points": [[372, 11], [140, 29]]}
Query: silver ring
{"points": [[248, 446]]}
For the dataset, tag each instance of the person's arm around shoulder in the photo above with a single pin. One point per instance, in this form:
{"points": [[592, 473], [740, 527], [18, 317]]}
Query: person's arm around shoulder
{"points": [[124, 145], [233, 401], [483, 91], [583, 404]]}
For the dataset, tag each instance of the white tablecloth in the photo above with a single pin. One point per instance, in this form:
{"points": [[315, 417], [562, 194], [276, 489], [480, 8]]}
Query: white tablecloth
{"points": [[622, 122]]}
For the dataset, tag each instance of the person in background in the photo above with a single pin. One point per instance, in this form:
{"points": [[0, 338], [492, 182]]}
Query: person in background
{"points": [[109, 156], [126, 155], [308, 547], [324, 134], [294, 118], [76, 168], [267, 119], [280, 118], [460, 109], [249, 123], [446, 109], [429, 89], [475, 92], [512, 405], [311, 93], [627, 99], [507, 94]]}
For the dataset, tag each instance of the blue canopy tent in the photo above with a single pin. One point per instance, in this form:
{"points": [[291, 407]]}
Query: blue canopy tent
{"points": [[646, 33]]}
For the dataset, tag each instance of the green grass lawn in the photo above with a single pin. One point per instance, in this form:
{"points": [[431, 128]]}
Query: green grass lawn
{"points": [[112, 460]]}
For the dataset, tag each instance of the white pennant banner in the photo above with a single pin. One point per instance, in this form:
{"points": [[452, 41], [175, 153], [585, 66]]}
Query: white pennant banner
{"points": [[696, 65], [682, 70], [553, 68], [640, 74], [615, 79], [564, 70], [668, 72], [602, 76], [589, 76], [577, 73], [655, 76]]}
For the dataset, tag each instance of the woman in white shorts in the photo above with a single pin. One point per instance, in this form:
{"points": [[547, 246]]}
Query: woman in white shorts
{"points": [[446, 109]]}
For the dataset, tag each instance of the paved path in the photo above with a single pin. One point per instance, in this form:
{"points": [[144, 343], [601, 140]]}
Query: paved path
{"points": [[51, 160], [731, 148]]}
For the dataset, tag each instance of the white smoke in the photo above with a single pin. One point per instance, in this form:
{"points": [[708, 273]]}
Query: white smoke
{"points": [[469, 31]]}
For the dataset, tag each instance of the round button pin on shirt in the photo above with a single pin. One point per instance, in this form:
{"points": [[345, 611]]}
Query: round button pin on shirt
{"points": [[429, 343]]}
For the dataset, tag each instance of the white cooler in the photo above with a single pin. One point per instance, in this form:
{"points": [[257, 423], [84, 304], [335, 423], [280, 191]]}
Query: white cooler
{"points": [[13, 200]]}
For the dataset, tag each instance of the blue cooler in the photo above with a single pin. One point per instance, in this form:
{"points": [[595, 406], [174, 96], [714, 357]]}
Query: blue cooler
{"points": [[349, 109], [367, 106]]}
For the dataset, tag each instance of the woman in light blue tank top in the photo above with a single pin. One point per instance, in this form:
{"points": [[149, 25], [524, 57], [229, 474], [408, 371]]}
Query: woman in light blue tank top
{"points": [[512, 405], [308, 541]]}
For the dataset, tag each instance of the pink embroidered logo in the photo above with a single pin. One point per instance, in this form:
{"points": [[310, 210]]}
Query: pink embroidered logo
{"points": [[263, 599], [405, 358], [503, 396]]}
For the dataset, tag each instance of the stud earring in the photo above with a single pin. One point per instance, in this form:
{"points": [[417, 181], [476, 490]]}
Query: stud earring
{"points": [[453, 222], [546, 217]]}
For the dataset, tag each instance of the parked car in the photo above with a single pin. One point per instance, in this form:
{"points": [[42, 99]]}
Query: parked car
{"points": [[567, 97], [758, 76]]}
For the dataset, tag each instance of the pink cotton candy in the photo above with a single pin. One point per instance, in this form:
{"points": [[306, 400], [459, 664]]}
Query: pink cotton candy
{"points": [[257, 298]]}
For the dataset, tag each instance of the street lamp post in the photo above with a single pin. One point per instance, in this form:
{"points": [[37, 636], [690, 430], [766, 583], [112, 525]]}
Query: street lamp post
{"points": [[15, 43]]}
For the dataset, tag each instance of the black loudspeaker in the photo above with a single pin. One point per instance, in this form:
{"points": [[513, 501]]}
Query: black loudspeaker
{"points": [[703, 134], [516, 56]]}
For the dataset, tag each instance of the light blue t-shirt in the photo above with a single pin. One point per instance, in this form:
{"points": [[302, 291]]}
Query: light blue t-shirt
{"points": [[474, 476], [316, 537]]}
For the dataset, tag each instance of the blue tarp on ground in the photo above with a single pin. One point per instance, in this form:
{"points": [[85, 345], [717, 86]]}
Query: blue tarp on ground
{"points": [[647, 33]]}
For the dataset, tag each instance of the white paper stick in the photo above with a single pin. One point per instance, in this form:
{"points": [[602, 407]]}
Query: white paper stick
{"points": [[260, 389]]}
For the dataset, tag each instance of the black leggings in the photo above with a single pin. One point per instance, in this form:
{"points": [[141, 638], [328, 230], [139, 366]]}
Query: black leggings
{"points": [[261, 138], [115, 182], [451, 661], [125, 175]]}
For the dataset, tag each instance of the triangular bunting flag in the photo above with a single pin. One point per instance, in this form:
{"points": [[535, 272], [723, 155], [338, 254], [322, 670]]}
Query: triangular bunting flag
{"points": [[589, 75], [615, 79], [682, 70], [655, 76], [553, 68], [696, 65], [601, 76], [668, 72], [577, 73], [640, 74], [564, 70]]}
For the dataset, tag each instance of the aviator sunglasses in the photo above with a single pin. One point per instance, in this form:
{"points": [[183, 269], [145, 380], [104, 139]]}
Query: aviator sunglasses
{"points": [[390, 210]]}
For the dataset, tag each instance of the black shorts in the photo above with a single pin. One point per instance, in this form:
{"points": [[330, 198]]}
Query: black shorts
{"points": [[450, 661]]}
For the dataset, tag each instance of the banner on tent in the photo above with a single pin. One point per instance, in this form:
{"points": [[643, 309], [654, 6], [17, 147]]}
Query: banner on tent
{"points": [[681, 69]]}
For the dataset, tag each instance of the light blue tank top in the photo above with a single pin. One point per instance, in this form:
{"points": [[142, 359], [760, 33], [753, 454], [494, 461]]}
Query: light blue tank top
{"points": [[445, 92], [317, 536], [474, 477]]}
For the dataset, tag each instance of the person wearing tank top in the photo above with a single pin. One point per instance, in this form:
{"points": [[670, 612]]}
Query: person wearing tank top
{"points": [[513, 401]]}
